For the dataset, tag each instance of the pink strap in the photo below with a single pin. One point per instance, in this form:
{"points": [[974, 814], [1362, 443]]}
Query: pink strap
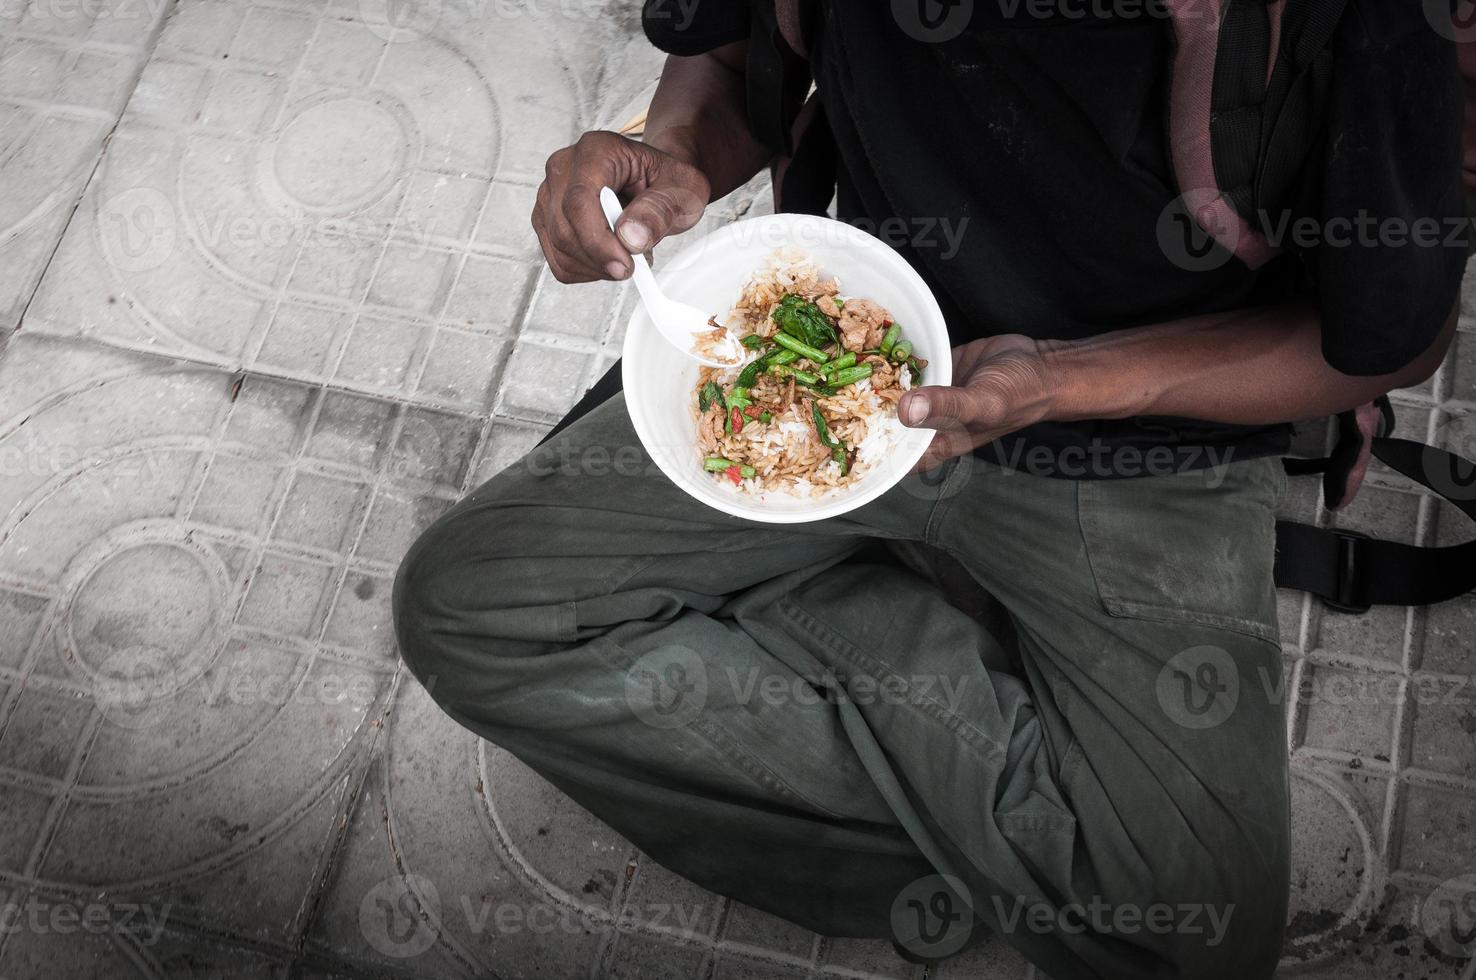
{"points": [[1197, 33], [787, 13], [1369, 417]]}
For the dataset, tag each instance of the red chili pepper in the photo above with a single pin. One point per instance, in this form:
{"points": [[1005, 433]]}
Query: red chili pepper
{"points": [[753, 411], [733, 474], [886, 325], [737, 420]]}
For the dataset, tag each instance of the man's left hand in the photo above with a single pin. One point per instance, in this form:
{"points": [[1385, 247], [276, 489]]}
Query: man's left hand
{"points": [[1000, 384]]}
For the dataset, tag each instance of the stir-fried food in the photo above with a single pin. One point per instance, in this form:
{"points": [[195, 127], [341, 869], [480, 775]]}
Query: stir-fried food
{"points": [[815, 403]]}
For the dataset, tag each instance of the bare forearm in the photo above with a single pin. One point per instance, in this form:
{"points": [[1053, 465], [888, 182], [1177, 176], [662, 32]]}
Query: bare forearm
{"points": [[698, 116], [1249, 367]]}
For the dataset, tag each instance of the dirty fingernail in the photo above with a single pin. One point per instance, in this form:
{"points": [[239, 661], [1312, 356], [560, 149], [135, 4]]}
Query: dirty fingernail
{"points": [[615, 270]]}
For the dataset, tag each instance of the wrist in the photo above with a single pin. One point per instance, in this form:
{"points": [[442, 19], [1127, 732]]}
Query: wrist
{"points": [[1088, 380], [681, 143], [674, 141]]}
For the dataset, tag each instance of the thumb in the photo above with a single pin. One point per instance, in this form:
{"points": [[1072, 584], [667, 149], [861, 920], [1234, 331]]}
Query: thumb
{"points": [[665, 207], [935, 407]]}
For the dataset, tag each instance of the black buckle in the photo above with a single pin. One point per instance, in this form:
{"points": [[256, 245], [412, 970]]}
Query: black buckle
{"points": [[1351, 595]]}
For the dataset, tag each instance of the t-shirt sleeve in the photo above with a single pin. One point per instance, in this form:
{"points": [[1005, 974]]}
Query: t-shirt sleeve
{"points": [[1388, 258], [689, 27]]}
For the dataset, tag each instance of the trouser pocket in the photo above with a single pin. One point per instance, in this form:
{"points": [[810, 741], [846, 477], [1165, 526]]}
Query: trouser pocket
{"points": [[1191, 548]]}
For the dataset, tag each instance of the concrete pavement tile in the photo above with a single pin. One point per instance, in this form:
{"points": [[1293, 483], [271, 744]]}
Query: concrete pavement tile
{"points": [[25, 816], [1380, 634], [321, 512], [1439, 833], [395, 522], [435, 448], [307, 342], [43, 733], [460, 368], [508, 442], [506, 226], [1291, 614], [1401, 942], [1350, 710], [637, 957], [1335, 865], [240, 493], [190, 956], [163, 706], [288, 596], [313, 195], [263, 898], [585, 310], [381, 355], [1444, 738], [732, 966], [993, 959], [350, 429], [1448, 632], [665, 902], [420, 886], [48, 941], [19, 616], [869, 958], [571, 851], [1460, 369], [1451, 526], [65, 74], [487, 287], [745, 926], [371, 915], [361, 619], [543, 382]]}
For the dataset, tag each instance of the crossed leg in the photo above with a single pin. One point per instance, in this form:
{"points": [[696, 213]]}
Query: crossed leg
{"points": [[783, 715]]}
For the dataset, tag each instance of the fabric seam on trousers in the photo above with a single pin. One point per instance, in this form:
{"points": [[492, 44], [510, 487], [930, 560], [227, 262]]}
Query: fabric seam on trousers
{"points": [[723, 741], [943, 504], [953, 722]]}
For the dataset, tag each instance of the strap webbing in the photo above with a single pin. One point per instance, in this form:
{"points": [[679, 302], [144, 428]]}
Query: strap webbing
{"points": [[1352, 572]]}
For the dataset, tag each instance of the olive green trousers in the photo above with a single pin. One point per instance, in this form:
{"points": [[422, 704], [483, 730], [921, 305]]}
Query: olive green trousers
{"points": [[789, 716]]}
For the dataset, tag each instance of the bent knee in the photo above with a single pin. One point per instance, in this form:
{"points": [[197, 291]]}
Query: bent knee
{"points": [[469, 594], [420, 601]]}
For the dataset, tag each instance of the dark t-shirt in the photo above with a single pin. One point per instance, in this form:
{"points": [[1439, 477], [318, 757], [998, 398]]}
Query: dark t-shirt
{"points": [[1021, 165]]}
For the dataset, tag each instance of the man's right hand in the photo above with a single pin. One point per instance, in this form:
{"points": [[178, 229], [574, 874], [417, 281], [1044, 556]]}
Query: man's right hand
{"points": [[662, 196]]}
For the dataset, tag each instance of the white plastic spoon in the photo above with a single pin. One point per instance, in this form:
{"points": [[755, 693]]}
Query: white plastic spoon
{"points": [[678, 322]]}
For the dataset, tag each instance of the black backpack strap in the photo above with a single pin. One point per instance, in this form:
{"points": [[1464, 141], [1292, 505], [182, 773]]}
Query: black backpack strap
{"points": [[776, 78], [1264, 124], [1296, 98], [1352, 572]]}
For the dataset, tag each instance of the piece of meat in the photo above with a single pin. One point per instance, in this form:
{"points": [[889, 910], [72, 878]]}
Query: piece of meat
{"points": [[822, 288], [861, 324], [788, 398], [828, 307], [710, 430]]}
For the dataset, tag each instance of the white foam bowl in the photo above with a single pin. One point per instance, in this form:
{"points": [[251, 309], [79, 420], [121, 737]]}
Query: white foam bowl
{"points": [[710, 273]]}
